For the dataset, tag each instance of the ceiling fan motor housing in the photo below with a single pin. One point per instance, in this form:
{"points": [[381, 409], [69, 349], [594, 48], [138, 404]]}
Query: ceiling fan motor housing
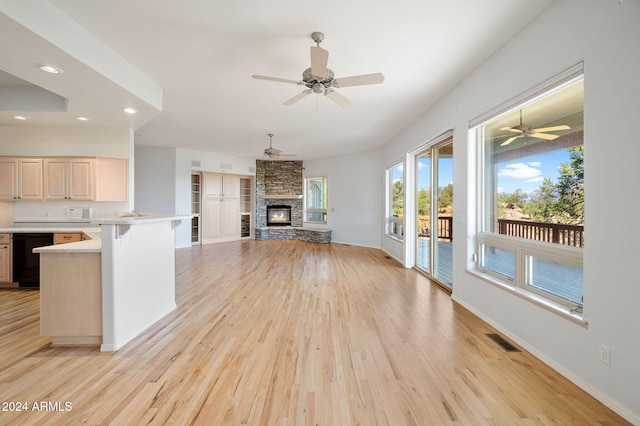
{"points": [[316, 83]]}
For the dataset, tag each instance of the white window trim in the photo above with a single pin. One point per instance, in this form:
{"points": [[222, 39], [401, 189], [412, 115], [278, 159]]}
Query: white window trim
{"points": [[523, 248], [308, 210]]}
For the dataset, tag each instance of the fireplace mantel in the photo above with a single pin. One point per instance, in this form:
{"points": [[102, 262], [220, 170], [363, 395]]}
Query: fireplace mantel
{"points": [[280, 197]]}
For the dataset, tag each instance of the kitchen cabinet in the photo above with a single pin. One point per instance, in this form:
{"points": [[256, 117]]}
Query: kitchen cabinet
{"points": [[69, 179], [87, 179], [64, 178], [21, 179], [67, 237], [71, 298], [5, 258]]}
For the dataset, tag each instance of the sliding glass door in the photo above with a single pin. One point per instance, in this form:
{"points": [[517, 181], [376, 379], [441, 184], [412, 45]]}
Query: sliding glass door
{"points": [[434, 214]]}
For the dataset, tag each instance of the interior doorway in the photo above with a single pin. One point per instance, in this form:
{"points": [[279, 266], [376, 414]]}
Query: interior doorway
{"points": [[434, 211]]}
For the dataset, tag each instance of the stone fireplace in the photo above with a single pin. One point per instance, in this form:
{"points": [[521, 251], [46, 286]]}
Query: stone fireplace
{"points": [[279, 215], [279, 192], [279, 183]]}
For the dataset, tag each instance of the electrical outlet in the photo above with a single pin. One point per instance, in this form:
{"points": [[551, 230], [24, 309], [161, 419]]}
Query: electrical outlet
{"points": [[604, 353]]}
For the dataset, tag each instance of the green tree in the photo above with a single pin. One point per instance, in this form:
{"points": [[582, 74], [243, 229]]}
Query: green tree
{"points": [[445, 196], [562, 202], [398, 198], [510, 200], [570, 189], [424, 202]]}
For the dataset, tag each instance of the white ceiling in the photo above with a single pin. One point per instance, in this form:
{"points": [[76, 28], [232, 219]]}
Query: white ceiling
{"points": [[202, 54]]}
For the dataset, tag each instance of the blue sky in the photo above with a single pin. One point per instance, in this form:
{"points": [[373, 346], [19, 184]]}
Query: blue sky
{"points": [[527, 174], [445, 172]]}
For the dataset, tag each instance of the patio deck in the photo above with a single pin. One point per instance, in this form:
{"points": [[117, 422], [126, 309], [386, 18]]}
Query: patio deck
{"points": [[560, 280]]}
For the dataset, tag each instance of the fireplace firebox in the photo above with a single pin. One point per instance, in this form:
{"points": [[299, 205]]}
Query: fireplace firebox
{"points": [[279, 215]]}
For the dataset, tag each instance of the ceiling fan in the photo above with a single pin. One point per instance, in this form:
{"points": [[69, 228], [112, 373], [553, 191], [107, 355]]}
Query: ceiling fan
{"points": [[321, 80], [523, 130], [271, 152]]}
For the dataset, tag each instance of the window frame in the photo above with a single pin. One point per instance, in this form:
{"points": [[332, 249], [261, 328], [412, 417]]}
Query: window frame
{"points": [[307, 198], [524, 249], [394, 225]]}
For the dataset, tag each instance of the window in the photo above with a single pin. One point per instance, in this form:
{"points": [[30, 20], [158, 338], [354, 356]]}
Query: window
{"points": [[315, 199], [531, 192], [395, 202]]}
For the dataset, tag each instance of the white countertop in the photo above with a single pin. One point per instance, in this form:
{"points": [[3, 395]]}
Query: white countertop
{"points": [[91, 229], [135, 218]]}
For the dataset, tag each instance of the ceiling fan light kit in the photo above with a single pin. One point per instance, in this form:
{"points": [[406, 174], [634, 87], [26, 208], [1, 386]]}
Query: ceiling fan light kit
{"points": [[321, 80]]}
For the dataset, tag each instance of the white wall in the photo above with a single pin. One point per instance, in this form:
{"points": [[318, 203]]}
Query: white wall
{"points": [[604, 34], [353, 193], [138, 279], [55, 141], [155, 170], [163, 179]]}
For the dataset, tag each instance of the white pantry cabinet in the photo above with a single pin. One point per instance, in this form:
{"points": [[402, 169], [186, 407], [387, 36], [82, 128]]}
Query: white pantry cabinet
{"points": [[220, 217]]}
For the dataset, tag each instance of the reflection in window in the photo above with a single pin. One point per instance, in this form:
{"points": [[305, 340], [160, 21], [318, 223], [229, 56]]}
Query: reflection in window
{"points": [[531, 195]]}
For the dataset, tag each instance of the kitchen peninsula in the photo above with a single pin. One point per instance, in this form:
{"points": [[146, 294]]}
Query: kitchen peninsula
{"points": [[109, 289]]}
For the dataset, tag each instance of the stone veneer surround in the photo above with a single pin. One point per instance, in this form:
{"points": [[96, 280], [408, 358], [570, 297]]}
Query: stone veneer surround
{"points": [[279, 178]]}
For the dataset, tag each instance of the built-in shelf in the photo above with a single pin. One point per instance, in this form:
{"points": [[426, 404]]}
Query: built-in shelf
{"points": [[281, 197]]}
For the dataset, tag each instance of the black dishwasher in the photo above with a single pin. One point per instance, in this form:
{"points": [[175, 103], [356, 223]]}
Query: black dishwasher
{"points": [[26, 263]]}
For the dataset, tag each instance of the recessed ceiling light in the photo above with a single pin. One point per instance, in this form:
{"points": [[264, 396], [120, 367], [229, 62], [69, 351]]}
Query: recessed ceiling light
{"points": [[52, 69], [83, 119], [130, 110], [20, 117]]}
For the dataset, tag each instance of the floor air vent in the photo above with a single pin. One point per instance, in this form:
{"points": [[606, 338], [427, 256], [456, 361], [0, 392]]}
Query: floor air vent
{"points": [[506, 345]]}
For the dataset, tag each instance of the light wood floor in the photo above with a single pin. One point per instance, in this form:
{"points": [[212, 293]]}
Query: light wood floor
{"points": [[289, 333]]}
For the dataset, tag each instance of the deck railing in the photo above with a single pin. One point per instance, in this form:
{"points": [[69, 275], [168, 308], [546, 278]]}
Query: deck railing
{"points": [[570, 235], [445, 227]]}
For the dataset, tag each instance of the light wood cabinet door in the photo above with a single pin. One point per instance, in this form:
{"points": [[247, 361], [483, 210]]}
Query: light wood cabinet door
{"points": [[8, 179], [231, 186], [211, 223], [67, 237], [21, 179], [230, 213], [55, 179], [5, 258], [30, 179], [220, 219], [211, 185], [69, 179], [218, 185], [81, 179], [111, 179]]}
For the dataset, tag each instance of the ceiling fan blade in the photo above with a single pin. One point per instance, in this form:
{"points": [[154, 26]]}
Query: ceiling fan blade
{"points": [[544, 136], [511, 129], [319, 59], [508, 141], [297, 97], [359, 80], [338, 98], [280, 80], [552, 129]]}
